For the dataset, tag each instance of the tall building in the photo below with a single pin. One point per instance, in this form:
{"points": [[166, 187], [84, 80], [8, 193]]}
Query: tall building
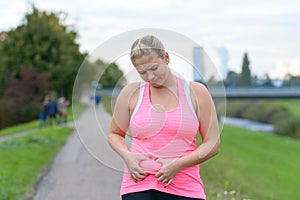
{"points": [[198, 65], [224, 58]]}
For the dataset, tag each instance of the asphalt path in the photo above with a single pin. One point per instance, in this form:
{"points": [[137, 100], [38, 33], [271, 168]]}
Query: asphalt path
{"points": [[86, 167]]}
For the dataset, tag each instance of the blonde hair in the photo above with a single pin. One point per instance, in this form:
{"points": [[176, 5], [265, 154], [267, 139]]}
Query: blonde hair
{"points": [[146, 45]]}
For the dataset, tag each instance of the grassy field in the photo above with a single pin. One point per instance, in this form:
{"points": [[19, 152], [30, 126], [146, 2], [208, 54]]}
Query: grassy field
{"points": [[107, 104], [23, 158], [253, 165], [293, 105], [34, 124], [19, 128]]}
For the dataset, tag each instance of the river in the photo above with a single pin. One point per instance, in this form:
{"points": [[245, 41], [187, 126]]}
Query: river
{"points": [[248, 124]]}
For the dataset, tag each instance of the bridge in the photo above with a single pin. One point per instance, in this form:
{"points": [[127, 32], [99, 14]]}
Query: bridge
{"points": [[256, 92], [235, 92]]}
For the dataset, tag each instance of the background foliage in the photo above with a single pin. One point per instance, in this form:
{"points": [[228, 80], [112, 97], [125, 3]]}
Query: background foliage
{"points": [[41, 57]]}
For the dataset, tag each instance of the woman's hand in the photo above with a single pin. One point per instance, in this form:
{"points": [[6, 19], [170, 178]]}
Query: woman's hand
{"points": [[168, 171], [132, 162]]}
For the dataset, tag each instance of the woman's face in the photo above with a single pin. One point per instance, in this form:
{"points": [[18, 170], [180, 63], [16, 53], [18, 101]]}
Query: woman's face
{"points": [[152, 69]]}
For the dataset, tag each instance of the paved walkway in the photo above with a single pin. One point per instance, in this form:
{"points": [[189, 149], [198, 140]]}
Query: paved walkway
{"points": [[78, 174]]}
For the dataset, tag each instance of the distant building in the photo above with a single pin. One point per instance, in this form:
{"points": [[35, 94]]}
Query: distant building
{"points": [[198, 59], [224, 59]]}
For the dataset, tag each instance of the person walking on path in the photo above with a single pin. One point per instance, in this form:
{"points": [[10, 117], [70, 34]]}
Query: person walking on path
{"points": [[43, 113], [62, 110], [51, 111], [164, 114], [97, 99]]}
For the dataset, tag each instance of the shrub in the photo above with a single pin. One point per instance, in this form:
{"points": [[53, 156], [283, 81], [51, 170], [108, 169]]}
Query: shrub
{"points": [[255, 111], [272, 110], [288, 127], [237, 108]]}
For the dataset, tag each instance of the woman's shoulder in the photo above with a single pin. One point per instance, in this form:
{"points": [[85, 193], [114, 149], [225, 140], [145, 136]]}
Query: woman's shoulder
{"points": [[198, 87], [199, 92]]}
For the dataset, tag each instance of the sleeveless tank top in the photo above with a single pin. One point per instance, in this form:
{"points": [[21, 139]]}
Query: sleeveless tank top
{"points": [[170, 135]]}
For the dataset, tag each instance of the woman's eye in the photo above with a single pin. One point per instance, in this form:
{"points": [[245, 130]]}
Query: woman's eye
{"points": [[142, 73], [154, 68]]}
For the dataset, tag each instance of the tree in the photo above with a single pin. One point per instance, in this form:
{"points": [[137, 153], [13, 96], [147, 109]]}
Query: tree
{"points": [[268, 82], [245, 78], [21, 100], [232, 79], [43, 42], [291, 80], [112, 76]]}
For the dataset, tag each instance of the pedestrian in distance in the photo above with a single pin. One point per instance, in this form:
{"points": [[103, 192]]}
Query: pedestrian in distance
{"points": [[43, 113], [51, 111], [62, 104], [97, 99], [164, 113]]}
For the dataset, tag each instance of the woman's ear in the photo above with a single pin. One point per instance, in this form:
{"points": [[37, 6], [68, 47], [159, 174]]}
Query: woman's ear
{"points": [[167, 58]]}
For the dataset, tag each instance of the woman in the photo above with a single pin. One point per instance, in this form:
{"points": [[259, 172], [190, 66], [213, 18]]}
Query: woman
{"points": [[164, 114]]}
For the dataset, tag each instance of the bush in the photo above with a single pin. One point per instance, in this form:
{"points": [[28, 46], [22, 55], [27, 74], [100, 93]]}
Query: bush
{"points": [[255, 111], [288, 127], [261, 111], [237, 108], [282, 113], [273, 110]]}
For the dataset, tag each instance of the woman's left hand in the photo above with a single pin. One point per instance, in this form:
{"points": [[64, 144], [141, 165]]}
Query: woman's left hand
{"points": [[167, 172]]}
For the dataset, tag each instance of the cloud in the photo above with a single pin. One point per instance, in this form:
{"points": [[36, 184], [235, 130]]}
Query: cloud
{"points": [[268, 32]]}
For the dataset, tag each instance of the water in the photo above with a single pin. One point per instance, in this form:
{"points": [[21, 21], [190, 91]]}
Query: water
{"points": [[248, 124]]}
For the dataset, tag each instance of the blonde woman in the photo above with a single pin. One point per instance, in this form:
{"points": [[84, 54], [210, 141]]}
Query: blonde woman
{"points": [[164, 114]]}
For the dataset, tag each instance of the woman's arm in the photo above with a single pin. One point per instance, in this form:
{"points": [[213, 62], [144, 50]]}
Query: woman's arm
{"points": [[125, 104], [209, 127]]}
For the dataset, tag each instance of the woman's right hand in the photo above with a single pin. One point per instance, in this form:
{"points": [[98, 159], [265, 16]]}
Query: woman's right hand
{"points": [[133, 165]]}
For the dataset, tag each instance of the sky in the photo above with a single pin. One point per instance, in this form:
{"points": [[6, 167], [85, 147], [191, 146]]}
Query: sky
{"points": [[267, 30]]}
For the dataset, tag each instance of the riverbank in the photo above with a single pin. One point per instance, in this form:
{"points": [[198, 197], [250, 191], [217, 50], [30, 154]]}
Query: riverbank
{"points": [[247, 124]]}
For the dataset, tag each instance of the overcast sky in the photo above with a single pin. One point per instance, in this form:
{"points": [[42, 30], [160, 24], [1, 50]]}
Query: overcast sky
{"points": [[269, 31]]}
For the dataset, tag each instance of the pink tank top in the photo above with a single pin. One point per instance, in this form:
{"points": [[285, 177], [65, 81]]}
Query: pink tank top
{"points": [[170, 134]]}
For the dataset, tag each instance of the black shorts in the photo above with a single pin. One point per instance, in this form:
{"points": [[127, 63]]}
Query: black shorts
{"points": [[154, 195]]}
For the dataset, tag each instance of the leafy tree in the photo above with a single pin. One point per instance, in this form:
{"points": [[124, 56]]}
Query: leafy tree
{"points": [[245, 78], [268, 82], [43, 42], [21, 100], [232, 79], [112, 76], [291, 80]]}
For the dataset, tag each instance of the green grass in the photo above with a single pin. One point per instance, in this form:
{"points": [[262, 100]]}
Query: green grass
{"points": [[19, 128], [107, 104], [75, 111], [254, 165], [293, 105], [23, 158], [34, 124]]}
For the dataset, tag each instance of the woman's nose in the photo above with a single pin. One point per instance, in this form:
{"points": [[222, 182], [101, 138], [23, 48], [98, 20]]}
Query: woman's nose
{"points": [[150, 76]]}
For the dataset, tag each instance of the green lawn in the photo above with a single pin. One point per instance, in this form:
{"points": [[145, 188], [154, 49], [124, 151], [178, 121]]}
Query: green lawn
{"points": [[23, 158], [253, 165], [34, 124], [19, 128], [107, 104], [293, 105]]}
